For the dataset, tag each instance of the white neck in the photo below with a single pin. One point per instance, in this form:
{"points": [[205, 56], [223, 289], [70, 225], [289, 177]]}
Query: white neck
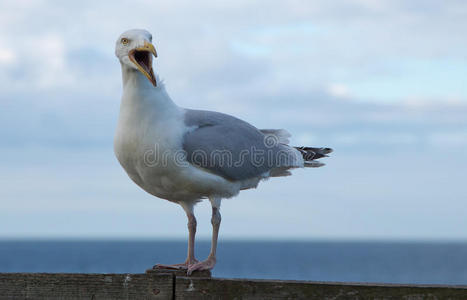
{"points": [[139, 91]]}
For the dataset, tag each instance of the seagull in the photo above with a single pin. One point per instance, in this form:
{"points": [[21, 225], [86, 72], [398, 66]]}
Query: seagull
{"points": [[185, 155]]}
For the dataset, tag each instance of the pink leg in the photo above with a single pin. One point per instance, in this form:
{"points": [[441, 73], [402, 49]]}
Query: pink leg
{"points": [[190, 260], [210, 262]]}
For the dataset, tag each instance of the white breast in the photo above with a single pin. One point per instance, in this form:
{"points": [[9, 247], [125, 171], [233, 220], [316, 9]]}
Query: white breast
{"points": [[145, 139], [148, 145]]}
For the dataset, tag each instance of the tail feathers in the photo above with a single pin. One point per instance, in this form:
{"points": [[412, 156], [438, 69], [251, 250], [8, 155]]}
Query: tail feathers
{"points": [[310, 155], [282, 135], [280, 172]]}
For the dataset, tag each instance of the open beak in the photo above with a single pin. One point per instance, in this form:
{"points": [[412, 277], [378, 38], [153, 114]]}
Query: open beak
{"points": [[142, 58]]}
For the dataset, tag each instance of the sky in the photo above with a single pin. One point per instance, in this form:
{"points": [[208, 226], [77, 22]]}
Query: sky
{"points": [[381, 82]]}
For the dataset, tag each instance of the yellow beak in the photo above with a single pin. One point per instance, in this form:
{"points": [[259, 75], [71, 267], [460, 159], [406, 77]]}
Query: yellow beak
{"points": [[142, 59], [148, 47]]}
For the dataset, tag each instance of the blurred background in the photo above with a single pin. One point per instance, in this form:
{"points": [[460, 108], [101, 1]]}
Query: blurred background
{"points": [[384, 83]]}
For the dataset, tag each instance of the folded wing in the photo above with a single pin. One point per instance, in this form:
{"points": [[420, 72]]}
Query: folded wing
{"points": [[234, 149]]}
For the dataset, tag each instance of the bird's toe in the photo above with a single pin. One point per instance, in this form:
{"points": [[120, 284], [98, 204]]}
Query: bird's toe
{"points": [[208, 264], [183, 266], [172, 267]]}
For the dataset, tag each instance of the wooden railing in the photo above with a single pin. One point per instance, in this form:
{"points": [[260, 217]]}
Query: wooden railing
{"points": [[165, 284]]}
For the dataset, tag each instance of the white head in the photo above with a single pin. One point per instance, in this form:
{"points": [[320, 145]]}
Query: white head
{"points": [[134, 50]]}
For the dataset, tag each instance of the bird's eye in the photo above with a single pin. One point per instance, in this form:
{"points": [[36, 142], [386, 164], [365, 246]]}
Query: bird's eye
{"points": [[124, 41]]}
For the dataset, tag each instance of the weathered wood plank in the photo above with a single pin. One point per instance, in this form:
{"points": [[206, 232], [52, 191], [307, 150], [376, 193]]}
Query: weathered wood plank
{"points": [[216, 288], [169, 284], [156, 271], [85, 286]]}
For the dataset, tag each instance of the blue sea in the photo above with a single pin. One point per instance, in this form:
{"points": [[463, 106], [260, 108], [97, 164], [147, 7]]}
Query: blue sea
{"points": [[389, 262]]}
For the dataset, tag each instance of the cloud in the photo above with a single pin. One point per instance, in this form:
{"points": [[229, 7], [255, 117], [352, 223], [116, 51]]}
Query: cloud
{"points": [[314, 43], [7, 56], [399, 66], [339, 90]]}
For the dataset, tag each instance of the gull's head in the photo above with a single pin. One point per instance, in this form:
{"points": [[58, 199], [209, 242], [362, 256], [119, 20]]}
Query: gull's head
{"points": [[134, 49]]}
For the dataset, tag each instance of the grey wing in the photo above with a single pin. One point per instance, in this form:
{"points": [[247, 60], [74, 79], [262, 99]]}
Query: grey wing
{"points": [[232, 148]]}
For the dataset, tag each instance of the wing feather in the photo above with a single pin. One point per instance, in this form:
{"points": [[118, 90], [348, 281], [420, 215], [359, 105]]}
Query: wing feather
{"points": [[232, 148]]}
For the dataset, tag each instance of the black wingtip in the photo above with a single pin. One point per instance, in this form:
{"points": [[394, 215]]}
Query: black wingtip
{"points": [[311, 153]]}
